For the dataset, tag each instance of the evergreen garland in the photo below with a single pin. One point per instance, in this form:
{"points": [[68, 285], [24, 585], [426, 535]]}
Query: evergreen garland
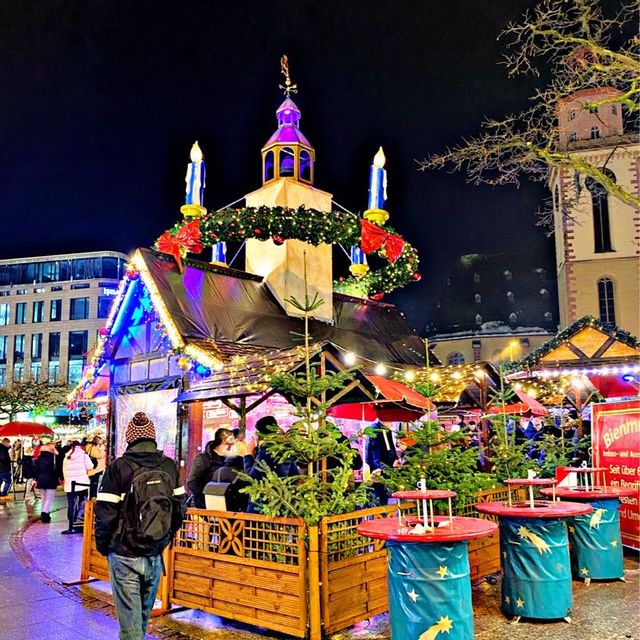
{"points": [[312, 226]]}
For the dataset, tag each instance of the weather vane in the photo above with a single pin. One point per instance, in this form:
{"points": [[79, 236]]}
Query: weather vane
{"points": [[288, 87]]}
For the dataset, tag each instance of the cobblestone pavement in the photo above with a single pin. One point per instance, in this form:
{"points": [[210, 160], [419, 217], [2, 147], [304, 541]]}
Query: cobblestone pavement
{"points": [[35, 604]]}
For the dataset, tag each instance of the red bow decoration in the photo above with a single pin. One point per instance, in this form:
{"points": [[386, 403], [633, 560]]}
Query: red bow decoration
{"points": [[188, 239], [373, 237]]}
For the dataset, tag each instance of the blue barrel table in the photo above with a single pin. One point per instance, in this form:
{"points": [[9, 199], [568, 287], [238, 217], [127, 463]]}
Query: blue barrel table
{"points": [[428, 574], [596, 543], [534, 553]]}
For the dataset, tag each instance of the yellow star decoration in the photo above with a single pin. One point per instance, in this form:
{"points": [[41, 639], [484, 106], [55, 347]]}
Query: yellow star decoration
{"points": [[444, 624], [572, 528], [520, 602], [614, 543], [584, 571], [442, 571], [539, 543], [507, 599]]}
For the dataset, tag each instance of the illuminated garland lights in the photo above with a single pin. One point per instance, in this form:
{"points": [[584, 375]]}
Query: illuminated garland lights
{"points": [[308, 225], [564, 337]]}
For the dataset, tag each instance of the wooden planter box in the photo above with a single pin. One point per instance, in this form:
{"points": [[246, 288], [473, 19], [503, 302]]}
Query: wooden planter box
{"points": [[280, 573]]}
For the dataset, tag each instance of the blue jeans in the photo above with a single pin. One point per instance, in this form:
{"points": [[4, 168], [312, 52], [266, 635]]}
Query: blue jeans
{"points": [[5, 482], [134, 582]]}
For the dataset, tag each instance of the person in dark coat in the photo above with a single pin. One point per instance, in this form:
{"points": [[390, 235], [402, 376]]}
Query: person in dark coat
{"points": [[207, 463], [257, 454], [228, 473], [47, 477], [381, 453], [5, 467]]}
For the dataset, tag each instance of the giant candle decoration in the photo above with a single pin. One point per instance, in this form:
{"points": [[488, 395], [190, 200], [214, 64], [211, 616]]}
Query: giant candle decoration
{"points": [[195, 177], [194, 197], [377, 182]]}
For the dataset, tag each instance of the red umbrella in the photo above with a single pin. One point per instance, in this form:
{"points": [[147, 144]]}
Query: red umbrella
{"points": [[12, 429], [398, 403], [527, 406]]}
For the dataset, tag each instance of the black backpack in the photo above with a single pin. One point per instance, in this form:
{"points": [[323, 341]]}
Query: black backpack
{"points": [[147, 513]]}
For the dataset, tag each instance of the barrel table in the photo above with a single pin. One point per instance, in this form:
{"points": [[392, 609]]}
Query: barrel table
{"points": [[534, 553], [428, 569], [596, 544]]}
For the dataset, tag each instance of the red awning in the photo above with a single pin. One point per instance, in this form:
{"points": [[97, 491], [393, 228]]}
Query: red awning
{"points": [[527, 406], [398, 403], [615, 386], [24, 429]]}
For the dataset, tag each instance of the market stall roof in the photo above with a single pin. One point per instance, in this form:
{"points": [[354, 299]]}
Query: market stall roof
{"points": [[526, 406], [219, 305], [586, 344]]}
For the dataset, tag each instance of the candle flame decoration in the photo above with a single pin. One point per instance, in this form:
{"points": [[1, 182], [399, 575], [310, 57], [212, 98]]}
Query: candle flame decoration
{"points": [[379, 159], [196, 153]]}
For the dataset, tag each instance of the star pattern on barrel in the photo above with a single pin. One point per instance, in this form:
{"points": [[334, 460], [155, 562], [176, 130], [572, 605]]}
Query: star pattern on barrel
{"points": [[520, 603], [614, 543], [443, 625], [539, 543], [413, 595], [507, 599], [442, 571], [584, 571], [572, 529]]}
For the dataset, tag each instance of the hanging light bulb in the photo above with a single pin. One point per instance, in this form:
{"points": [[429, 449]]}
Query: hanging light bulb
{"points": [[380, 369], [349, 358]]}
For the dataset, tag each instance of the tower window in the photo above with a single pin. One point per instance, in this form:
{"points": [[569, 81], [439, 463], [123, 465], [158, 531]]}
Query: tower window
{"points": [[606, 301], [455, 357], [478, 298], [305, 166], [572, 115], [600, 212], [508, 275], [614, 109], [513, 318], [548, 316], [478, 319], [476, 278], [268, 166], [572, 136], [510, 297], [544, 293], [287, 162], [595, 133]]}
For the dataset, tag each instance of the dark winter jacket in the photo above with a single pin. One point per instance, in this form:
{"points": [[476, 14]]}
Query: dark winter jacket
{"points": [[381, 451], [116, 483], [28, 467], [46, 468], [5, 459], [204, 466]]}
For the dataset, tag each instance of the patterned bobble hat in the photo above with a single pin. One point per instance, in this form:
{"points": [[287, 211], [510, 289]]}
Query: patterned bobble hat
{"points": [[140, 427]]}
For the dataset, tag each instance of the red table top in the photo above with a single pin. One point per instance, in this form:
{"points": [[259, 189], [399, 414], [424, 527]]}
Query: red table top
{"points": [[544, 509], [589, 469], [463, 529], [531, 481], [593, 493], [429, 494]]}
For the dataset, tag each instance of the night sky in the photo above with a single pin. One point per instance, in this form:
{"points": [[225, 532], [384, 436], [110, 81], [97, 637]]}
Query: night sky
{"points": [[101, 102]]}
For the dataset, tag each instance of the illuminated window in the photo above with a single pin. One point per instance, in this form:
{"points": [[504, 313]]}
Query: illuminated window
{"points": [[478, 298], [55, 314], [79, 309], [268, 166], [287, 162], [305, 166], [4, 314], [21, 313], [38, 311]]}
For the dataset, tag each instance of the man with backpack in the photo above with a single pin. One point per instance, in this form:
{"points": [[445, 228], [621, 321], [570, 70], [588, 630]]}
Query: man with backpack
{"points": [[139, 507]]}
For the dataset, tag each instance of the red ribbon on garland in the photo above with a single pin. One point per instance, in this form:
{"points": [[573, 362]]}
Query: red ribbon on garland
{"points": [[188, 239], [373, 237]]}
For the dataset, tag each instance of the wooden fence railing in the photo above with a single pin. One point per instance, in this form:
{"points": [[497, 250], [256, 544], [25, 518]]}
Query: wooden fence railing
{"points": [[279, 573]]}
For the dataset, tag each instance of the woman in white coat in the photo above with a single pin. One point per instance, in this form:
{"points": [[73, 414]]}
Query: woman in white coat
{"points": [[75, 468]]}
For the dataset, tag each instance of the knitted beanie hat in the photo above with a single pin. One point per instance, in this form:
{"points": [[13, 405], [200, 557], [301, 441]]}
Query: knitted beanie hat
{"points": [[140, 427]]}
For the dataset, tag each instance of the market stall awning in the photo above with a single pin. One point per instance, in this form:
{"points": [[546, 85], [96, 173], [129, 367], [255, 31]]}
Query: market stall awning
{"points": [[396, 403], [615, 386], [527, 406]]}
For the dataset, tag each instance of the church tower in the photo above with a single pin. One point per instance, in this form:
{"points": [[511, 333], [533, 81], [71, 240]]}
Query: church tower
{"points": [[597, 236], [288, 167]]}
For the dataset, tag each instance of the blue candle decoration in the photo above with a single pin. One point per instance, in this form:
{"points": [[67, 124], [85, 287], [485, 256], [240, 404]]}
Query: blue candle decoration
{"points": [[377, 182], [195, 177], [219, 253], [358, 256]]}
